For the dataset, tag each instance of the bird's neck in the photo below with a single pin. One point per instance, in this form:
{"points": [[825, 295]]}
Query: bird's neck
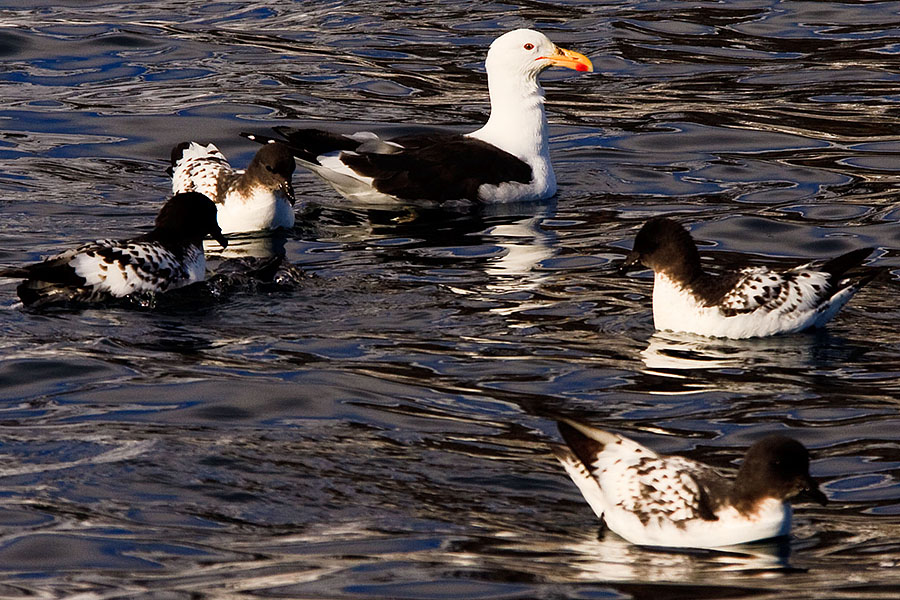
{"points": [[747, 501], [517, 123], [174, 241]]}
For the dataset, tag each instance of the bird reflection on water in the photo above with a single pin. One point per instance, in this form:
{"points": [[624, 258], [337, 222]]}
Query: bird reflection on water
{"points": [[670, 353]]}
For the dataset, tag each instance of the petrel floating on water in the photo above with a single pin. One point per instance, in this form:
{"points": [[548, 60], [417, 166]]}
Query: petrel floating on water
{"points": [[507, 160], [742, 303], [260, 198], [656, 500], [169, 257]]}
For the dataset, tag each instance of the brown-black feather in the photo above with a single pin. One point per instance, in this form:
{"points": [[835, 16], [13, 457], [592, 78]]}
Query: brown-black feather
{"points": [[435, 166]]}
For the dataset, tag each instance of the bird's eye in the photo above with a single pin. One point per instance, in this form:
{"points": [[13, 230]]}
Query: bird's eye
{"points": [[529, 46]]}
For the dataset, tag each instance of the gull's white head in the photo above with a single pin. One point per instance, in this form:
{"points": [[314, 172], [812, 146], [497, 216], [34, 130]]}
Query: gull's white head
{"points": [[530, 52], [518, 124]]}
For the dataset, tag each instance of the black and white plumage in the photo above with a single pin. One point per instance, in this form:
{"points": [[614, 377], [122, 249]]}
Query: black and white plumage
{"points": [[168, 257], [260, 198], [507, 160], [657, 500], [743, 303]]}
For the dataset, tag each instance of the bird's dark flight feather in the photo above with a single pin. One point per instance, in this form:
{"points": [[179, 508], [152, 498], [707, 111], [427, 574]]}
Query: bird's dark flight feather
{"points": [[435, 166]]}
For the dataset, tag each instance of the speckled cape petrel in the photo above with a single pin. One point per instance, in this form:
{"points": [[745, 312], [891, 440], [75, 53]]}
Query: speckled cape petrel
{"points": [[656, 500], [741, 303], [168, 257]]}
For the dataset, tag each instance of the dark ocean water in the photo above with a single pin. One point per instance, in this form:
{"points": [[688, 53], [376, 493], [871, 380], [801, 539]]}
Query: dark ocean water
{"points": [[377, 425]]}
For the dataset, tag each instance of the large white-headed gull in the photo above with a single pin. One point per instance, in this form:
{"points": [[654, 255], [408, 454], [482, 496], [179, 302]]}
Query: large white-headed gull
{"points": [[507, 160]]}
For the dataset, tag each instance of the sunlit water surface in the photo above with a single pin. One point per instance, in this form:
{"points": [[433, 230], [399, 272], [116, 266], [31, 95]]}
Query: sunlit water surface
{"points": [[374, 422]]}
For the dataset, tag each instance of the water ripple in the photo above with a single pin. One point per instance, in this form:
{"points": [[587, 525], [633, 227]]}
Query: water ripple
{"points": [[376, 423]]}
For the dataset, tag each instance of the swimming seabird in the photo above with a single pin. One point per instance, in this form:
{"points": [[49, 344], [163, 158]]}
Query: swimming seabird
{"points": [[746, 302], [657, 500], [258, 198], [168, 257], [507, 160]]}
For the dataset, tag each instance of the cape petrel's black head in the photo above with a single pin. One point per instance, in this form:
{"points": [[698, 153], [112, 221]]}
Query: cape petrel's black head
{"points": [[188, 218]]}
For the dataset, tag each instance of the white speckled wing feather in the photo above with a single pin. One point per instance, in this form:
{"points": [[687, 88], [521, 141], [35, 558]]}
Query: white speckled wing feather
{"points": [[797, 290], [121, 268], [202, 169], [652, 488]]}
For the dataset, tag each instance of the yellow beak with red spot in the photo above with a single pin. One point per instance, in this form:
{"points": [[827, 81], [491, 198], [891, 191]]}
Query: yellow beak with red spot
{"points": [[569, 59]]}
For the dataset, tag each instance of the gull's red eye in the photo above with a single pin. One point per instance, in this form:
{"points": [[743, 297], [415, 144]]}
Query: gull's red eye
{"points": [[529, 46]]}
